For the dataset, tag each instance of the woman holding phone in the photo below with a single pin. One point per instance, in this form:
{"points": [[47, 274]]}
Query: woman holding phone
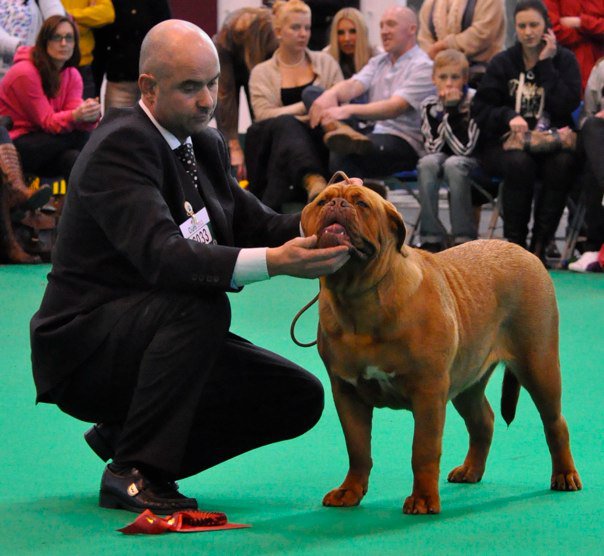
{"points": [[534, 84]]}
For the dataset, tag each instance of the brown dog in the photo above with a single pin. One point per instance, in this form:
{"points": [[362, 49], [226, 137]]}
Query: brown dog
{"points": [[403, 328]]}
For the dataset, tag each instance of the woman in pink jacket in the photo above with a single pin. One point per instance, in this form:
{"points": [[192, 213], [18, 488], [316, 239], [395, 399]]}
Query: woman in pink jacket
{"points": [[42, 93]]}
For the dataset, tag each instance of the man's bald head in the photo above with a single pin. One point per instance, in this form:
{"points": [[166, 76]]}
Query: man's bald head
{"points": [[168, 42], [404, 14], [398, 28], [178, 79]]}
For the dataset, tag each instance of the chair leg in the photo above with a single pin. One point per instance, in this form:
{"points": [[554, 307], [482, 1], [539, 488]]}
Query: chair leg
{"points": [[574, 229], [495, 204]]}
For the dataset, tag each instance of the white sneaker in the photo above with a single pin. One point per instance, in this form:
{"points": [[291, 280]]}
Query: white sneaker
{"points": [[581, 264]]}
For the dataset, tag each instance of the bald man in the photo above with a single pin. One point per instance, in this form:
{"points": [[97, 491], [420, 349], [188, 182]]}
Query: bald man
{"points": [[133, 330], [397, 82]]}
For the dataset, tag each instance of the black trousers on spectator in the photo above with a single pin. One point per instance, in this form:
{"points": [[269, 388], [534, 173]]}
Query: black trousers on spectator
{"points": [[88, 81], [279, 152], [188, 393], [388, 154], [521, 171], [592, 139], [45, 154]]}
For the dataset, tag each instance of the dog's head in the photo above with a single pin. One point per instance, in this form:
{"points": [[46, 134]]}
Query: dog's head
{"points": [[347, 213]]}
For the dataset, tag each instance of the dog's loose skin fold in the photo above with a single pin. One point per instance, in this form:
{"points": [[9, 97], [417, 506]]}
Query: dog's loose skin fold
{"points": [[402, 328]]}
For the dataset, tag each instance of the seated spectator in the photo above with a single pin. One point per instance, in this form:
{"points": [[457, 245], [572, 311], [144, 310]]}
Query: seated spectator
{"points": [[579, 26], [15, 194], [450, 136], [349, 41], [89, 15], [475, 28], [121, 42], [397, 81], [20, 23], [245, 39], [42, 93], [281, 148], [534, 83], [323, 14], [592, 139], [349, 46]]}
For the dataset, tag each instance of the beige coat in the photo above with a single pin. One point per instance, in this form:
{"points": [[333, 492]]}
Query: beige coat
{"points": [[265, 85], [479, 42]]}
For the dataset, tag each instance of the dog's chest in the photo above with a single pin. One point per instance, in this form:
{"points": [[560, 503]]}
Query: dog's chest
{"points": [[378, 387]]}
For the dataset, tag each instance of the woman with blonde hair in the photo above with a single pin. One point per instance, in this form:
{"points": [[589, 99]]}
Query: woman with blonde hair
{"points": [[276, 85], [349, 41], [286, 160]]}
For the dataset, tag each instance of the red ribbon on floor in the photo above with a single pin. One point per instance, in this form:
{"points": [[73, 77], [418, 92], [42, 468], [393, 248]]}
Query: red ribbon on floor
{"points": [[148, 523]]}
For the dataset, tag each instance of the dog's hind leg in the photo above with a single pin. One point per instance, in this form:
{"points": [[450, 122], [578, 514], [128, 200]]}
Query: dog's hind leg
{"points": [[476, 412], [541, 378]]}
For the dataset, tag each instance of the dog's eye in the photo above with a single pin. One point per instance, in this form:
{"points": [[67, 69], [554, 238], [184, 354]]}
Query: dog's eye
{"points": [[321, 202], [362, 204]]}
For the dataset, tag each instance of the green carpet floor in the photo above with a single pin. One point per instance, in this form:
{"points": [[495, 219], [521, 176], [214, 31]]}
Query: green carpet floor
{"points": [[49, 478]]}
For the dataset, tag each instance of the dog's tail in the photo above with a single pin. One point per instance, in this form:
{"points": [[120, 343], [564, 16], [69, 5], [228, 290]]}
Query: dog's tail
{"points": [[510, 392]]}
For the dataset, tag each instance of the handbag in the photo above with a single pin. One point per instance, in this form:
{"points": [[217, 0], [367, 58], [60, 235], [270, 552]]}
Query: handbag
{"points": [[538, 140]]}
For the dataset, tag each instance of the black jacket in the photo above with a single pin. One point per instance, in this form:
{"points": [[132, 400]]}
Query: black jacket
{"points": [[119, 239], [123, 38], [493, 105]]}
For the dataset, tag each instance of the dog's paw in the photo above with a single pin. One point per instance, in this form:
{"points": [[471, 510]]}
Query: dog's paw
{"points": [[568, 480], [416, 504], [343, 497], [465, 474]]}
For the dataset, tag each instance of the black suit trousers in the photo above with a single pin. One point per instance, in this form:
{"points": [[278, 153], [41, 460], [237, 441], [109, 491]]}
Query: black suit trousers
{"points": [[188, 393]]}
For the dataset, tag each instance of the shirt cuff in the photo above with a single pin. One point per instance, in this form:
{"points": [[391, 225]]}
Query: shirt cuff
{"points": [[250, 267]]}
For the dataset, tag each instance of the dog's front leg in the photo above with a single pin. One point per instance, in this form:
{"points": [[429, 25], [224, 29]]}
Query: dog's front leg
{"points": [[429, 416], [355, 418]]}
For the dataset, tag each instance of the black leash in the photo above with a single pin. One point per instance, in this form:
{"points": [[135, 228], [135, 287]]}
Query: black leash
{"points": [[292, 332], [293, 325]]}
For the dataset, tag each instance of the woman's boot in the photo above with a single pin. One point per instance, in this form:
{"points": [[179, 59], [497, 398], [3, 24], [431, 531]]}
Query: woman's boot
{"points": [[314, 184], [549, 207], [9, 246], [26, 198]]}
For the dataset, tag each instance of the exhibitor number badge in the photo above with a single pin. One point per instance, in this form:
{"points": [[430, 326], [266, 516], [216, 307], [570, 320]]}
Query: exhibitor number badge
{"points": [[198, 227]]}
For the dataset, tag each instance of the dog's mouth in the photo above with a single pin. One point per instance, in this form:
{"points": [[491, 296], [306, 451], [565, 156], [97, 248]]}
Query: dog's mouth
{"points": [[335, 233]]}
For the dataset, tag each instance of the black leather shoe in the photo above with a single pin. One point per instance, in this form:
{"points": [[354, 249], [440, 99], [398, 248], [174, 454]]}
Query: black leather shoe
{"points": [[130, 490], [102, 439]]}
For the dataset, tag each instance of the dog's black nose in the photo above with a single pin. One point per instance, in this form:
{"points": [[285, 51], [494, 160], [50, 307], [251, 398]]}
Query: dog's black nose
{"points": [[339, 202]]}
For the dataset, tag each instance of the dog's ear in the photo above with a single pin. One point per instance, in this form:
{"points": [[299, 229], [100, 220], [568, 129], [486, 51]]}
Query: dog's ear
{"points": [[397, 224], [305, 218]]}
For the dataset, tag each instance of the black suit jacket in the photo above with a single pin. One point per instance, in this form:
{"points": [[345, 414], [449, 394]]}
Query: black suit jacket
{"points": [[119, 239]]}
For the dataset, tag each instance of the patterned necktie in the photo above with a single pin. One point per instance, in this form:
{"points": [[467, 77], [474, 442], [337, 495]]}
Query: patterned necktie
{"points": [[186, 155]]}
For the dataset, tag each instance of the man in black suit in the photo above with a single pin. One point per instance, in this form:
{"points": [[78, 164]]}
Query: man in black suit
{"points": [[133, 329]]}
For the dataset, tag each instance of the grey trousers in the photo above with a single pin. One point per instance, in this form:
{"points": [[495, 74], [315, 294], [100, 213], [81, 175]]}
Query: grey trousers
{"points": [[452, 171]]}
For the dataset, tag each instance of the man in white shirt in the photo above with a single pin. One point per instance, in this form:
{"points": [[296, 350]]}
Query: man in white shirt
{"points": [[397, 82]]}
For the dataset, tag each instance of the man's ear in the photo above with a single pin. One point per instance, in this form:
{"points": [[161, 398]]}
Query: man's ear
{"points": [[148, 86]]}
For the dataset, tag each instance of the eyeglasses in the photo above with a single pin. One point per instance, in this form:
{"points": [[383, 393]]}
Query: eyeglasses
{"points": [[60, 38]]}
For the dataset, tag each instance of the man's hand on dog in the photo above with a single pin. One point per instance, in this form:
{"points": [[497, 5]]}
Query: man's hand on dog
{"points": [[299, 257]]}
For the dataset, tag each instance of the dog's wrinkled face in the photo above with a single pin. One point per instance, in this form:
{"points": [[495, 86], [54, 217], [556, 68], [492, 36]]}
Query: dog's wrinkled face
{"points": [[353, 215]]}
